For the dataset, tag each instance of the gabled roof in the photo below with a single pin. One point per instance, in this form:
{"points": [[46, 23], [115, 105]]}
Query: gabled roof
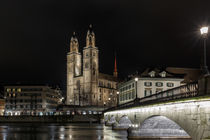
{"points": [[158, 71]]}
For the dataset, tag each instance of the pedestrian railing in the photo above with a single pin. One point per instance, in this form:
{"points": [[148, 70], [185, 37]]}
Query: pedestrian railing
{"points": [[184, 91]]}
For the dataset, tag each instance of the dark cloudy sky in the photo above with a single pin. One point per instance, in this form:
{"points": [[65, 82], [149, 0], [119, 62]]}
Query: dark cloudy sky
{"points": [[34, 35]]}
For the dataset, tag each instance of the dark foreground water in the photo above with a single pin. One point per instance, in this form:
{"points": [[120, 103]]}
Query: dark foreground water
{"points": [[27, 131], [36, 131]]}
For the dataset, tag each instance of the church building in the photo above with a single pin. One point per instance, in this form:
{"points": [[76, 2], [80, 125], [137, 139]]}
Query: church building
{"points": [[86, 86]]}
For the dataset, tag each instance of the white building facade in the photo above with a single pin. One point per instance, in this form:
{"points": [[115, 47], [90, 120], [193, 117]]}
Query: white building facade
{"points": [[151, 83]]}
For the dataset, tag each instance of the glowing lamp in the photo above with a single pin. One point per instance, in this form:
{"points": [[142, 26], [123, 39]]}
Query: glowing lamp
{"points": [[204, 30], [136, 79]]}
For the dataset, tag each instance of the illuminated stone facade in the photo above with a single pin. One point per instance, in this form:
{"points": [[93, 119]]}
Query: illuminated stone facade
{"points": [[85, 85]]}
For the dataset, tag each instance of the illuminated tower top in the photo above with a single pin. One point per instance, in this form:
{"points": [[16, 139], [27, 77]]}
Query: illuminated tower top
{"points": [[74, 44], [90, 38]]}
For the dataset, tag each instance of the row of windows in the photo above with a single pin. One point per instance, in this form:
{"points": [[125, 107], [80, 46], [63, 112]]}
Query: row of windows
{"points": [[127, 87], [158, 84], [50, 96], [23, 106], [24, 100], [148, 92], [87, 54], [51, 101], [127, 96], [105, 90], [13, 90], [50, 107], [22, 89], [108, 85], [23, 94]]}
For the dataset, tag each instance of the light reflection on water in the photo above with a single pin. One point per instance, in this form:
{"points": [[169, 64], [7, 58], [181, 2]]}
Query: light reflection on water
{"points": [[27, 131]]}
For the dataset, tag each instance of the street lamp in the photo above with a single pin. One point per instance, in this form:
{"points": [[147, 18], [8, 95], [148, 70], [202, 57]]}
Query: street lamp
{"points": [[204, 33], [136, 80], [118, 97]]}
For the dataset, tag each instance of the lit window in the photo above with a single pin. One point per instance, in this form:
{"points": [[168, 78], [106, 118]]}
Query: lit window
{"points": [[147, 84], [152, 74], [147, 92], [162, 74], [13, 89], [8, 90], [159, 84], [19, 89], [170, 84]]}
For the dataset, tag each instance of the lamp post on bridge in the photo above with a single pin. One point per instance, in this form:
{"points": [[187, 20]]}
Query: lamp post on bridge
{"points": [[136, 80], [204, 33], [118, 98]]}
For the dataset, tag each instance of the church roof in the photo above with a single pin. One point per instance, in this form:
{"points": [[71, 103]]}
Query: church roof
{"points": [[107, 77]]}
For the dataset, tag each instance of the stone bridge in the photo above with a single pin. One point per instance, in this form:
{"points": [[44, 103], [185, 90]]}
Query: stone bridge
{"points": [[181, 111], [192, 115]]}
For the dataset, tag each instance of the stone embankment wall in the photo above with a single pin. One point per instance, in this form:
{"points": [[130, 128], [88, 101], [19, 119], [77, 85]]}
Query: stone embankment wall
{"points": [[50, 119]]}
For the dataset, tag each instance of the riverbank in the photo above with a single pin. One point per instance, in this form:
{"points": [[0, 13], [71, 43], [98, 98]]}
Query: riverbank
{"points": [[51, 119]]}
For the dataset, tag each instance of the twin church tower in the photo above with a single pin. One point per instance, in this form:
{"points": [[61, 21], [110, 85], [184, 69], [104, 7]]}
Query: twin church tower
{"points": [[85, 84]]}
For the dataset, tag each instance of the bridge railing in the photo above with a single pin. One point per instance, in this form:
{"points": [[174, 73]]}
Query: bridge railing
{"points": [[188, 90], [184, 91]]}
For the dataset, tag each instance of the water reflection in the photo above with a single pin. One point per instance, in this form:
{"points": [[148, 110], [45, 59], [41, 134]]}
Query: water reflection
{"points": [[36, 131]]}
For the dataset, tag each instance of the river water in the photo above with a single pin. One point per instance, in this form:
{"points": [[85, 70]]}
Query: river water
{"points": [[44, 131], [27, 131]]}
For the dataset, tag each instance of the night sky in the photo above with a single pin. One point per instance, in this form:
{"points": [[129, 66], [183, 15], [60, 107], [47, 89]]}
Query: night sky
{"points": [[34, 35]]}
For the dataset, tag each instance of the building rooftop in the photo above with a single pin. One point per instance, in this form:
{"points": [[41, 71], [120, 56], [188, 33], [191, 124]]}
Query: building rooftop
{"points": [[107, 77]]}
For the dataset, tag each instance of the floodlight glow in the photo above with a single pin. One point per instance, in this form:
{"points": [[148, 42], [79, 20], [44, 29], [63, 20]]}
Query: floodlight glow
{"points": [[136, 79], [204, 30], [118, 92]]}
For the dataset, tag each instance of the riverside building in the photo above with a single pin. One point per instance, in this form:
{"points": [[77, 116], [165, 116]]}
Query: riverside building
{"points": [[31, 100], [151, 81], [2, 106]]}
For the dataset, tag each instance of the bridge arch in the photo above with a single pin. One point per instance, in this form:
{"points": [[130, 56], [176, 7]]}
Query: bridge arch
{"points": [[125, 120], [161, 126], [191, 115]]}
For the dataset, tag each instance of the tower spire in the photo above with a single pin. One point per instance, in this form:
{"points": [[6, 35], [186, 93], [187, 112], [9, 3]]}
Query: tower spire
{"points": [[90, 38], [74, 44], [115, 74]]}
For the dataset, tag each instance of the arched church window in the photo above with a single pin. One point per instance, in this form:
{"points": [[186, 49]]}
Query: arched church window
{"points": [[87, 54], [78, 84], [86, 65], [94, 68]]}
